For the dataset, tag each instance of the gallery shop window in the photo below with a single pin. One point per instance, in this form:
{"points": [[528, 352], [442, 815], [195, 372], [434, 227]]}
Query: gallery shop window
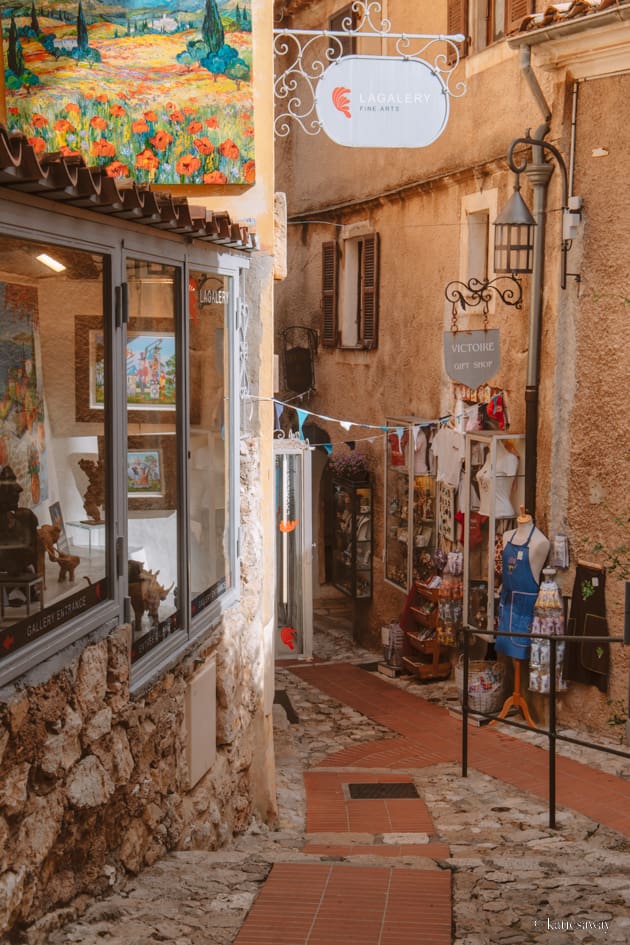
{"points": [[118, 456], [159, 605], [210, 443], [54, 393], [153, 385], [350, 279], [485, 21]]}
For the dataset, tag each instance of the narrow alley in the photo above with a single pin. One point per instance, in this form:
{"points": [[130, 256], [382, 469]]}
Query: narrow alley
{"points": [[380, 841]]}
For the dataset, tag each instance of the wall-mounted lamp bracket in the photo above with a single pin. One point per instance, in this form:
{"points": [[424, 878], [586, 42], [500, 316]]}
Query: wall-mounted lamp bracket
{"points": [[571, 206]]}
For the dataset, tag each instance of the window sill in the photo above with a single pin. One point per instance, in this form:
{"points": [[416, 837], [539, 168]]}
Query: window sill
{"points": [[487, 58]]}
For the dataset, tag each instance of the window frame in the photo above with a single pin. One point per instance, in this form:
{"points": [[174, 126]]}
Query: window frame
{"points": [[472, 204], [476, 20], [335, 24], [116, 241], [350, 287]]}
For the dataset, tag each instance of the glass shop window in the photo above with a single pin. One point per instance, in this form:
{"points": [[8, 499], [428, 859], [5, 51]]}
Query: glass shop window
{"points": [[209, 446], [54, 348], [152, 391]]}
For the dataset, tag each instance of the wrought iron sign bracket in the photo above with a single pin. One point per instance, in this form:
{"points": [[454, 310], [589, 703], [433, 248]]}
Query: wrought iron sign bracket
{"points": [[477, 292], [305, 59]]}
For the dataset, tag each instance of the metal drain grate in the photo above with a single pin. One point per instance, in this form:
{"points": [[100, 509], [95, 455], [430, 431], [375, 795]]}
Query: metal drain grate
{"points": [[364, 792], [282, 698]]}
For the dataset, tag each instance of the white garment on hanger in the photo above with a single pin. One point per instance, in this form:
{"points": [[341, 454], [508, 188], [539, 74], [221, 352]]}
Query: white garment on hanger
{"points": [[449, 447], [420, 467], [506, 469]]}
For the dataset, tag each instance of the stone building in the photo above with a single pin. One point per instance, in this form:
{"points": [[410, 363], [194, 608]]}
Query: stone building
{"points": [[378, 234], [136, 355]]}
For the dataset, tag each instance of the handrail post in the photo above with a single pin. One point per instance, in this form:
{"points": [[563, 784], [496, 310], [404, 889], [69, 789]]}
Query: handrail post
{"points": [[465, 708], [552, 733]]}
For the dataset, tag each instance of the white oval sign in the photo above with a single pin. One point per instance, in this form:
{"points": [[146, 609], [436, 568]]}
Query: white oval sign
{"points": [[382, 102]]}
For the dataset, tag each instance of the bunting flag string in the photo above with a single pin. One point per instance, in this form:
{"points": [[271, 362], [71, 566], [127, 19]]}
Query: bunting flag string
{"points": [[384, 429]]}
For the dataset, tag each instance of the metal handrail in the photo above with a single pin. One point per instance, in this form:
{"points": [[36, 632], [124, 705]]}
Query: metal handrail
{"points": [[552, 734]]}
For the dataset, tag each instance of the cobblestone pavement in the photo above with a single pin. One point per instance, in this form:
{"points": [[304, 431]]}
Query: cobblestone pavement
{"points": [[516, 881]]}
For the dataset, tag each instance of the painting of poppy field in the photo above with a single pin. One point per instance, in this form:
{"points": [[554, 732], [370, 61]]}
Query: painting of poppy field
{"points": [[158, 92]]}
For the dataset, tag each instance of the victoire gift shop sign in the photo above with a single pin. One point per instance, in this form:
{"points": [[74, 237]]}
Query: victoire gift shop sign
{"points": [[472, 357], [382, 102]]}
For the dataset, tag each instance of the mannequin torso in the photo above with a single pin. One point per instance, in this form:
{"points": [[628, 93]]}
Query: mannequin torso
{"points": [[525, 550], [506, 469], [538, 545]]}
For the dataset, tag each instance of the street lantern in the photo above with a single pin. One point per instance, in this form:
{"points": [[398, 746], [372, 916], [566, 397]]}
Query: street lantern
{"points": [[514, 236]]}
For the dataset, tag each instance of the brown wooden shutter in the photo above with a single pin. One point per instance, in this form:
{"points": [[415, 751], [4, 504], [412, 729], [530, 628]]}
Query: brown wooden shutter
{"points": [[515, 13], [329, 294], [369, 292], [457, 21]]}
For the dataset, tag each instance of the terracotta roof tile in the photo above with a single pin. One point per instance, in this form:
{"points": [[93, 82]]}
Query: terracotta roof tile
{"points": [[69, 180], [562, 12]]}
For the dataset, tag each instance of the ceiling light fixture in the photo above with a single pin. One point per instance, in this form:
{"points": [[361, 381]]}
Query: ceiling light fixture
{"points": [[53, 264]]}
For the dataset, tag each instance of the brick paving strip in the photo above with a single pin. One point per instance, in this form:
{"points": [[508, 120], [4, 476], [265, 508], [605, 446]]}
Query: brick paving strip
{"points": [[431, 736], [333, 903], [330, 904]]}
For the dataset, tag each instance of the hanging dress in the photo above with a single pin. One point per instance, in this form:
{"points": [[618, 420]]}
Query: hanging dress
{"points": [[518, 597]]}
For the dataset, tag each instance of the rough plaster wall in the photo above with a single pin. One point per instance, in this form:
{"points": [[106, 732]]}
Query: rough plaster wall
{"points": [[598, 459]]}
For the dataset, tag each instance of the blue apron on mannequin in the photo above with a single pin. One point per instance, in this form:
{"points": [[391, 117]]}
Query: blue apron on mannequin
{"points": [[518, 597]]}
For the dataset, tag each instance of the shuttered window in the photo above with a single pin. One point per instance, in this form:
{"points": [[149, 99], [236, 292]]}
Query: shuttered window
{"points": [[369, 292], [329, 294], [516, 11], [457, 21], [350, 278]]}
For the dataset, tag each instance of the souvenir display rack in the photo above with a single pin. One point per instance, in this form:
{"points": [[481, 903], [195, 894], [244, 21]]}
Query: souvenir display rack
{"points": [[410, 501], [352, 548], [423, 653]]}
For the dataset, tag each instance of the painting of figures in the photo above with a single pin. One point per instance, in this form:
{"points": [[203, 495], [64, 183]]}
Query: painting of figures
{"points": [[158, 92], [151, 370], [144, 472]]}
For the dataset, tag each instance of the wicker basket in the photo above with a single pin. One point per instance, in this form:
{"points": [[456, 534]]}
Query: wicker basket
{"points": [[486, 682]]}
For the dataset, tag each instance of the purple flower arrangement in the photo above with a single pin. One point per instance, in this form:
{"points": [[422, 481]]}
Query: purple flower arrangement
{"points": [[352, 466]]}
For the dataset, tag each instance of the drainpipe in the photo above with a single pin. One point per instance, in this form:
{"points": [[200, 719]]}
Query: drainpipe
{"points": [[526, 68], [538, 172]]}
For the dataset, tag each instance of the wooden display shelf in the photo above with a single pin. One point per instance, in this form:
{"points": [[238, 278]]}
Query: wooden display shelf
{"points": [[423, 654], [428, 659]]}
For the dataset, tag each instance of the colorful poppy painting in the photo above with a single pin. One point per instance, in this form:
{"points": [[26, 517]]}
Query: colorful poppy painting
{"points": [[158, 92]]}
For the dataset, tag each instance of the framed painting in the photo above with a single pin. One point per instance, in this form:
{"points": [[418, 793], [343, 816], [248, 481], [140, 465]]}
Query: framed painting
{"points": [[150, 370], [158, 92], [151, 471], [56, 518]]}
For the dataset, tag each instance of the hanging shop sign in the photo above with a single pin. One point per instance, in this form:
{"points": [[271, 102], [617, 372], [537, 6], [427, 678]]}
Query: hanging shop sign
{"points": [[382, 102], [472, 357]]}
